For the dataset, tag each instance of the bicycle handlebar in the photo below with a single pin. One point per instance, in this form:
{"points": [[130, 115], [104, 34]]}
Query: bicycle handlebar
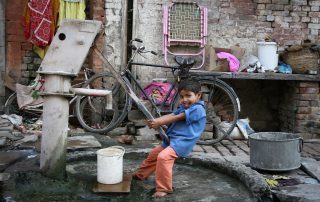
{"points": [[137, 40], [155, 65], [182, 67]]}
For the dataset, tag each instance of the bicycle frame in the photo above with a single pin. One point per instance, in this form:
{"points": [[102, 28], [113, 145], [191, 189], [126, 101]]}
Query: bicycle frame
{"points": [[125, 78], [217, 93], [159, 107], [125, 83]]}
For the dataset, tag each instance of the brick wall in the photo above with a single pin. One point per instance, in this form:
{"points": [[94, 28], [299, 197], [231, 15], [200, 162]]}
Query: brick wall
{"points": [[291, 21], [21, 62], [97, 13], [230, 22], [113, 25], [300, 110], [277, 105], [2, 53]]}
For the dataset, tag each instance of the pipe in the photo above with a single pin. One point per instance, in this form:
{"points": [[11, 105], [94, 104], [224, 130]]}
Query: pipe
{"points": [[54, 136], [91, 92], [55, 126], [95, 92]]}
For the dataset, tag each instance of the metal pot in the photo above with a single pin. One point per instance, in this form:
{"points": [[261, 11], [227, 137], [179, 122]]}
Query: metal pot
{"points": [[275, 151]]}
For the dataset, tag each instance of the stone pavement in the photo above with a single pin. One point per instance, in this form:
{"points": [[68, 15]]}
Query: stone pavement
{"points": [[238, 150], [305, 181]]}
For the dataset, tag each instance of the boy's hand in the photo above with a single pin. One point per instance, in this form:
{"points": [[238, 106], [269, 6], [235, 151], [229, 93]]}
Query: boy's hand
{"points": [[155, 124]]}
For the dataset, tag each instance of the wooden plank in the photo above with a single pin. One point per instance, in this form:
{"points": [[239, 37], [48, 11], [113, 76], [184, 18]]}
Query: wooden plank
{"points": [[259, 76]]}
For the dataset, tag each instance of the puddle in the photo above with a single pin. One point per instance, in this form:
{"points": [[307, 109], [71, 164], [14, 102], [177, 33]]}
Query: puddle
{"points": [[190, 184]]}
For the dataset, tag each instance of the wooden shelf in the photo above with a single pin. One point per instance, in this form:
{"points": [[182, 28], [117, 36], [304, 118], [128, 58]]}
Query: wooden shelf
{"points": [[260, 76]]}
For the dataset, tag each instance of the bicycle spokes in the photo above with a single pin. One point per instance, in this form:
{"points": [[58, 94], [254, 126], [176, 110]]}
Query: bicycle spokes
{"points": [[221, 109]]}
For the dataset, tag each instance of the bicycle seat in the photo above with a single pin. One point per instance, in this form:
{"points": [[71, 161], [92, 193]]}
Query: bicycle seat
{"points": [[182, 60]]}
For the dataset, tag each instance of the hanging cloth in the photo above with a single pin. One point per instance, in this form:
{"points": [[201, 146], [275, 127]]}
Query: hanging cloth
{"points": [[72, 9], [37, 21], [40, 21]]}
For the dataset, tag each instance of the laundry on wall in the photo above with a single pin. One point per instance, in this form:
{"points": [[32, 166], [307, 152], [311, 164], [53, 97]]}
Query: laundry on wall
{"points": [[42, 17]]}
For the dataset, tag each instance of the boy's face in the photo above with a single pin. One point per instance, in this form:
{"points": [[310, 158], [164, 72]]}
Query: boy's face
{"points": [[187, 98]]}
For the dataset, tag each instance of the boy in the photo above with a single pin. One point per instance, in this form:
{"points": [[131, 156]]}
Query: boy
{"points": [[185, 126]]}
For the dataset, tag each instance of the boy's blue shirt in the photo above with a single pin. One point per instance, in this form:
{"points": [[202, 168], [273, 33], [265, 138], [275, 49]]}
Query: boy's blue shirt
{"points": [[184, 134]]}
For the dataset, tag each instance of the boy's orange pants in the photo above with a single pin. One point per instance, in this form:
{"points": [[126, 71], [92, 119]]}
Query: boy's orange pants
{"points": [[161, 162]]}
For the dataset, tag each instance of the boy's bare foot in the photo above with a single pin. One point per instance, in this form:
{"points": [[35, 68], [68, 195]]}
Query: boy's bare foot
{"points": [[159, 194]]}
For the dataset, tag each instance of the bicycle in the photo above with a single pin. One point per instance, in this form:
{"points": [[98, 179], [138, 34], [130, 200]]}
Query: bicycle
{"points": [[34, 111], [222, 103]]}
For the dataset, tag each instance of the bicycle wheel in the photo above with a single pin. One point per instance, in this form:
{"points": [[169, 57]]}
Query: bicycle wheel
{"points": [[11, 107], [91, 111], [222, 108]]}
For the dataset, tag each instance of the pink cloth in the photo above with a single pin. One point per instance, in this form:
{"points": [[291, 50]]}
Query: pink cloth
{"points": [[234, 63], [39, 32], [159, 90]]}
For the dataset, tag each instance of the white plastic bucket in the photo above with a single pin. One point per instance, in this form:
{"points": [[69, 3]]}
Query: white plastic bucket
{"points": [[268, 54], [110, 165]]}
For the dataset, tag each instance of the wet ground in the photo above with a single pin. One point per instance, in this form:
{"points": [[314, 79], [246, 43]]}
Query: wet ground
{"points": [[191, 183], [212, 173]]}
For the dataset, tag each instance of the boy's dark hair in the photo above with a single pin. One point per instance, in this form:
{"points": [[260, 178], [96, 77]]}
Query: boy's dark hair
{"points": [[190, 85]]}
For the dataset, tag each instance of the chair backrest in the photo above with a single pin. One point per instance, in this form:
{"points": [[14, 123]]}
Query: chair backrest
{"points": [[184, 24]]}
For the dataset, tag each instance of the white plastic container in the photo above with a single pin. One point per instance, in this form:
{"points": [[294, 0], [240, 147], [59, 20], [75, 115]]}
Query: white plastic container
{"points": [[110, 165], [268, 55]]}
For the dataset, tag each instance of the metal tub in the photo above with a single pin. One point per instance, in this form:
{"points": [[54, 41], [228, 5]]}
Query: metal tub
{"points": [[275, 151]]}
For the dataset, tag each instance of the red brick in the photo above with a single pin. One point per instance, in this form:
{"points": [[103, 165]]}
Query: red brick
{"points": [[14, 60], [313, 117], [299, 2], [99, 12], [98, 2], [284, 2], [307, 96], [303, 110], [315, 103], [26, 46], [300, 123], [314, 14], [275, 7], [262, 1], [309, 90], [308, 84], [301, 116], [16, 38], [300, 103], [14, 9], [14, 27], [300, 129]]}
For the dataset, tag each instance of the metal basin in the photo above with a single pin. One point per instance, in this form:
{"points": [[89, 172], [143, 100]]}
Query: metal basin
{"points": [[275, 151]]}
